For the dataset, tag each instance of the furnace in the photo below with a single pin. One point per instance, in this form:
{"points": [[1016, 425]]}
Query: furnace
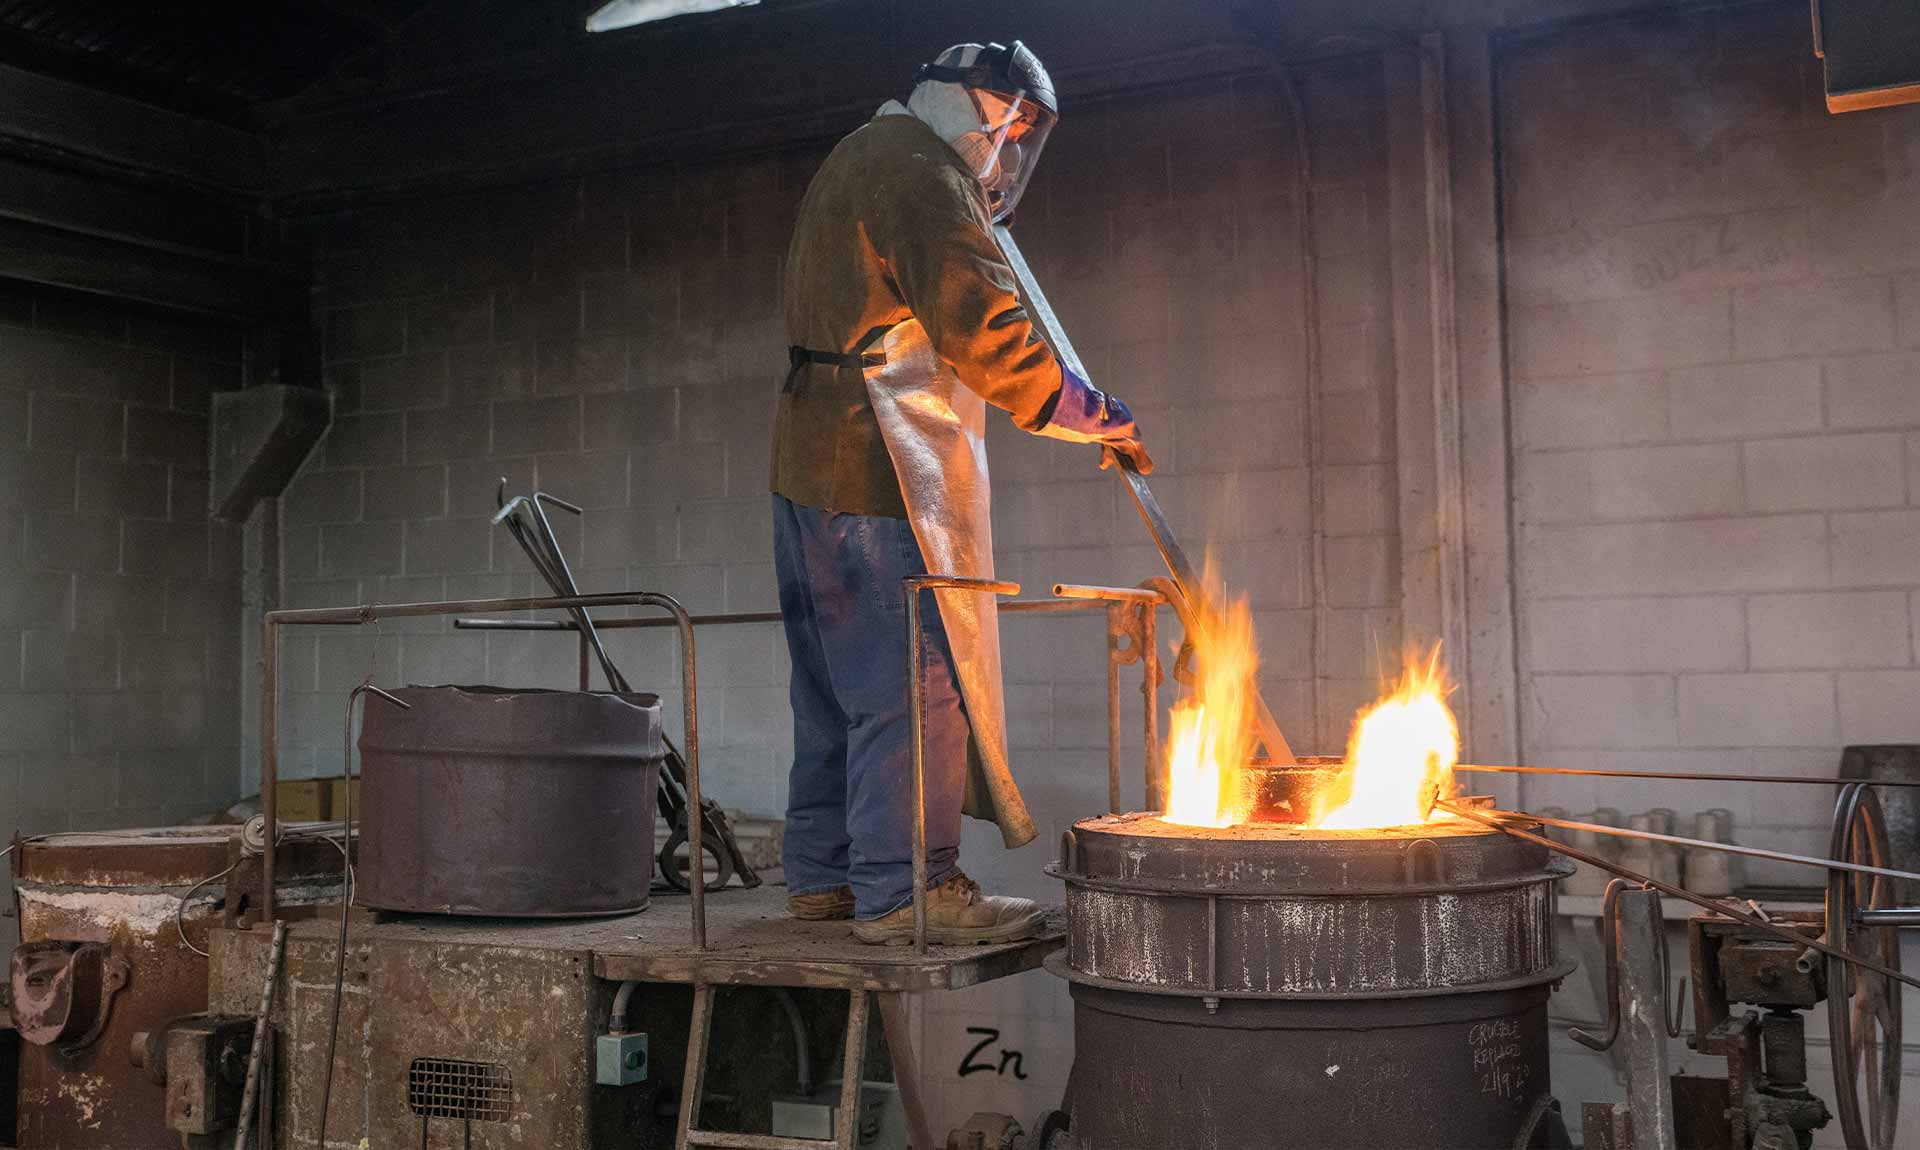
{"points": [[1235, 985]]}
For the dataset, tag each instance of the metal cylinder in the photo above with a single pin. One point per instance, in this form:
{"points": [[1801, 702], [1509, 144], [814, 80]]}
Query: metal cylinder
{"points": [[516, 803], [1382, 988]]}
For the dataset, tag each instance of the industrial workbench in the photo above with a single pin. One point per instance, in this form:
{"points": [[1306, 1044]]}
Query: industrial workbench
{"points": [[522, 1001]]}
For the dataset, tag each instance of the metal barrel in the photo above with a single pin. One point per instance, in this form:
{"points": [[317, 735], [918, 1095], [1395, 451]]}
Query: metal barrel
{"points": [[512, 803], [1265, 986]]}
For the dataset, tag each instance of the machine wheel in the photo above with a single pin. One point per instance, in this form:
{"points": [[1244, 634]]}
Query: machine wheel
{"points": [[1047, 1132], [673, 860], [1863, 1008]]}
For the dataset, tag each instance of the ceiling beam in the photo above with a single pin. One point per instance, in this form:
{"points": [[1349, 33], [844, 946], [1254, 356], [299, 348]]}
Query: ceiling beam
{"points": [[233, 289], [138, 139]]}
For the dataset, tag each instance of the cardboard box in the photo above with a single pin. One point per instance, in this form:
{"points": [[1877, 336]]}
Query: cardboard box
{"points": [[337, 798], [302, 800]]}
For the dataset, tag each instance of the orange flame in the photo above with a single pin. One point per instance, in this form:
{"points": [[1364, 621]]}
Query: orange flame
{"points": [[1401, 754], [1210, 735]]}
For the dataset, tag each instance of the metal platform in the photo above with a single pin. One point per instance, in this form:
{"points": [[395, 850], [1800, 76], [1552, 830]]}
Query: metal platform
{"points": [[750, 941]]}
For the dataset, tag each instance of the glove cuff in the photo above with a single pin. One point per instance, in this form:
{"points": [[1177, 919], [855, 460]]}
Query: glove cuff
{"points": [[1079, 411]]}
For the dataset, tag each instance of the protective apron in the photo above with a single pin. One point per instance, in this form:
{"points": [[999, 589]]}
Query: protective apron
{"points": [[935, 430]]}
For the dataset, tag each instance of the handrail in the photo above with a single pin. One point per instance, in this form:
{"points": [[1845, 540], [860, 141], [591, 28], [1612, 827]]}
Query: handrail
{"points": [[916, 705], [272, 621]]}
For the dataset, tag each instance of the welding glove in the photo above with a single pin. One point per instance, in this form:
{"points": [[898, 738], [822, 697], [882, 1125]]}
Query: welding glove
{"points": [[1082, 413]]}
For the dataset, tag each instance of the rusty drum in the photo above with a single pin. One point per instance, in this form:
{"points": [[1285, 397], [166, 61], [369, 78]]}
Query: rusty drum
{"points": [[1265, 986], [513, 803]]}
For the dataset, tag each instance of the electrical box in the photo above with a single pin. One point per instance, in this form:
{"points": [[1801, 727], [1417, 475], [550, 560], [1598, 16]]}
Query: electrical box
{"points": [[883, 1121], [620, 1059]]}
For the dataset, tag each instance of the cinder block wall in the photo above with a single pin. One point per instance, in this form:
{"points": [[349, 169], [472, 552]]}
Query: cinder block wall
{"points": [[119, 655], [617, 341], [1714, 337]]}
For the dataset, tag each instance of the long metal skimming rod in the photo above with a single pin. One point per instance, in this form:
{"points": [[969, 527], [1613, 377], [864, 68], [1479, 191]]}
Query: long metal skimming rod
{"points": [[1667, 888], [1685, 776], [1704, 844], [1041, 313]]}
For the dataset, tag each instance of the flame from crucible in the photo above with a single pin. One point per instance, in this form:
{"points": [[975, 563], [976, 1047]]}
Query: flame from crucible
{"points": [[1401, 754], [1210, 734]]}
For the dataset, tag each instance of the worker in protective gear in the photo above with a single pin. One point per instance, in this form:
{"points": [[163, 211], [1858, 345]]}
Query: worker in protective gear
{"points": [[905, 322]]}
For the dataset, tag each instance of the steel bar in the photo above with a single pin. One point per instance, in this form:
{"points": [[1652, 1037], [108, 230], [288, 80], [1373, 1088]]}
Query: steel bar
{"points": [[269, 752], [1609, 919], [1890, 916], [916, 719], [1048, 324], [346, 890], [906, 1072], [1641, 940], [1672, 891], [1110, 594], [1683, 776], [853, 1071], [547, 558], [1116, 624], [1190, 587], [1150, 701], [1018, 607], [694, 1078], [1708, 844], [251, 1092]]}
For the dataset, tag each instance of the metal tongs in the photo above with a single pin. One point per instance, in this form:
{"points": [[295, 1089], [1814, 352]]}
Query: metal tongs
{"points": [[1189, 594], [525, 518]]}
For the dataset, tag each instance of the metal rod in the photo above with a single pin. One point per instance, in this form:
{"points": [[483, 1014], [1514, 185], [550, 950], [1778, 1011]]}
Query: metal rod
{"points": [[1708, 844], [269, 755], [1110, 594], [1150, 700], [694, 1077], [1609, 916], [906, 1070], [1889, 916], [550, 561], [853, 1071], [1018, 607], [1699, 900], [251, 1091], [1640, 937], [346, 890], [916, 705], [1684, 776], [1116, 619], [916, 702]]}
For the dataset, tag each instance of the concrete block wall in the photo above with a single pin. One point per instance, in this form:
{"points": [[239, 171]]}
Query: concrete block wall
{"points": [[1714, 355], [119, 655], [617, 341]]}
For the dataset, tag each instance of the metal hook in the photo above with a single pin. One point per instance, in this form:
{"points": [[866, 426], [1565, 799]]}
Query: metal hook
{"points": [[1672, 1016], [1609, 932]]}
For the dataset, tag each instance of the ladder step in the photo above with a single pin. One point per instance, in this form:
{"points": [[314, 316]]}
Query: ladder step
{"points": [[724, 1141]]}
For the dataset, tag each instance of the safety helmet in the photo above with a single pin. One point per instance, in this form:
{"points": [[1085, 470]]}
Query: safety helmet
{"points": [[994, 104]]}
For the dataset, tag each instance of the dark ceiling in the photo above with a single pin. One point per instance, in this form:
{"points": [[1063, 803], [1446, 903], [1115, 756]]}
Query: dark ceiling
{"points": [[217, 59]]}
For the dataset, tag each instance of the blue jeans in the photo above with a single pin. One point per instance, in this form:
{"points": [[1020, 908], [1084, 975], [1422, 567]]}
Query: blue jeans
{"points": [[850, 798]]}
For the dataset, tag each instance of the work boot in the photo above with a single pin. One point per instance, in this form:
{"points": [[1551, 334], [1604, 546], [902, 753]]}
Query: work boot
{"points": [[957, 913], [823, 906]]}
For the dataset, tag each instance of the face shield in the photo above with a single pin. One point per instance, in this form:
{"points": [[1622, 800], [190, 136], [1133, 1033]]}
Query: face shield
{"points": [[1016, 129]]}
